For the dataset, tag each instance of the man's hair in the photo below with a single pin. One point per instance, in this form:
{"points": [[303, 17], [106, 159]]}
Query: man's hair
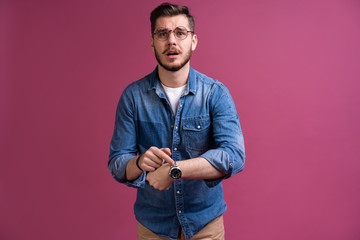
{"points": [[169, 10]]}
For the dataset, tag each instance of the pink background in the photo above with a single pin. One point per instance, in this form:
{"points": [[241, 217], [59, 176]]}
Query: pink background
{"points": [[292, 68]]}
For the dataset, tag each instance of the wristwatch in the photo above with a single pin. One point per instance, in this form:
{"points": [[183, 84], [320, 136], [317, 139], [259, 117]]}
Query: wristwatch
{"points": [[175, 172]]}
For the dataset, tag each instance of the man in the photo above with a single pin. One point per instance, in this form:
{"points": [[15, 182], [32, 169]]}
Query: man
{"points": [[184, 127]]}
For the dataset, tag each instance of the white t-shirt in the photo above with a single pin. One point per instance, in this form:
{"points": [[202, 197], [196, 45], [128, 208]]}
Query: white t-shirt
{"points": [[173, 95]]}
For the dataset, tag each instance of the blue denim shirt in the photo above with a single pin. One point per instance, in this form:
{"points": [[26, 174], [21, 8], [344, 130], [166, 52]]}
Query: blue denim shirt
{"points": [[206, 124]]}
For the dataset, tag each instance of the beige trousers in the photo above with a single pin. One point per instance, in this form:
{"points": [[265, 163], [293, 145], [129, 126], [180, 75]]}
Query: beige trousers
{"points": [[214, 230]]}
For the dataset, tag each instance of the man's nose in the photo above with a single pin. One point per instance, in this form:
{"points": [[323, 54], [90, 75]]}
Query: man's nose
{"points": [[172, 39]]}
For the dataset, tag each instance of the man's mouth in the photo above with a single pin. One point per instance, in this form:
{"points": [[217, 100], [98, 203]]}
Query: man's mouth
{"points": [[172, 54]]}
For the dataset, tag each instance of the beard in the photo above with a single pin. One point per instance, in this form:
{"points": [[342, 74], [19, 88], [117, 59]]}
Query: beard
{"points": [[174, 68]]}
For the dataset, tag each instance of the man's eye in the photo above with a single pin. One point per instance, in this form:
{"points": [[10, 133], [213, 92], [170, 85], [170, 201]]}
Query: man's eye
{"points": [[162, 34]]}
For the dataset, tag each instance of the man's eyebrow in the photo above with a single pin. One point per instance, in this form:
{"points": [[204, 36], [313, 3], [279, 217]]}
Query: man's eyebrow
{"points": [[161, 29]]}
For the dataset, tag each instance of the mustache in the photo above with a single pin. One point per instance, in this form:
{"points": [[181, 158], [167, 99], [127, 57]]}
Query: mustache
{"points": [[171, 49]]}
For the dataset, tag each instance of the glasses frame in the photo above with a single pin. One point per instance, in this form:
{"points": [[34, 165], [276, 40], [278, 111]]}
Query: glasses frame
{"points": [[173, 31]]}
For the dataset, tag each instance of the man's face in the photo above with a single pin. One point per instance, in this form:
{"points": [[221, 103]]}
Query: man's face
{"points": [[173, 54]]}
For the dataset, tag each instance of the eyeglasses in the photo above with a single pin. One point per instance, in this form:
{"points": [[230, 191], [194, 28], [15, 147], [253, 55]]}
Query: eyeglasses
{"points": [[163, 34]]}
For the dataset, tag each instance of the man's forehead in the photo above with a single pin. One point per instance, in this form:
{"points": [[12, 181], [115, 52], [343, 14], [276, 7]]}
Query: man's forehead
{"points": [[172, 22]]}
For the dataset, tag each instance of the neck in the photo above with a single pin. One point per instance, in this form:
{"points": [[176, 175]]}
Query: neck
{"points": [[174, 79]]}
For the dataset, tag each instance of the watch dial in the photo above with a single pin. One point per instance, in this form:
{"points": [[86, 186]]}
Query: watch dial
{"points": [[176, 173]]}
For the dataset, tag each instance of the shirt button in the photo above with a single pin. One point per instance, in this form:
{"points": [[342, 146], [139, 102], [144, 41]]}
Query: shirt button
{"points": [[180, 211], [172, 126], [175, 149], [178, 192], [176, 127], [231, 164], [198, 126]]}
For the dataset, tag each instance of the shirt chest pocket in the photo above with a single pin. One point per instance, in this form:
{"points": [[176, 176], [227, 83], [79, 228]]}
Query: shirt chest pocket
{"points": [[197, 134]]}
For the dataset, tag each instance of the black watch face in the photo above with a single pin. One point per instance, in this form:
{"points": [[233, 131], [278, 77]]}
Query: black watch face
{"points": [[175, 173]]}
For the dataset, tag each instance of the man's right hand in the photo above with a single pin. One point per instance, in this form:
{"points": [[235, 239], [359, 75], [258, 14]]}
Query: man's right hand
{"points": [[154, 157]]}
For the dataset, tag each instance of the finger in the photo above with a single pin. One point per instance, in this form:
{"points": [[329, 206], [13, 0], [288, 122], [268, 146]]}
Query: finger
{"points": [[171, 161], [149, 165], [160, 153], [150, 158], [152, 161], [166, 150]]}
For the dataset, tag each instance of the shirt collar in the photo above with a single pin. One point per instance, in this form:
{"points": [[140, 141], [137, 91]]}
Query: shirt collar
{"points": [[190, 85]]}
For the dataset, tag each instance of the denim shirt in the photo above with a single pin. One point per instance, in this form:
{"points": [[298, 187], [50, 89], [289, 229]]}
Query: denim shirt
{"points": [[206, 124]]}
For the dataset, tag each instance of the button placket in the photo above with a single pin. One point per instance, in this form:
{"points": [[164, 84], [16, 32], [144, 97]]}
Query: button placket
{"points": [[179, 199], [175, 127]]}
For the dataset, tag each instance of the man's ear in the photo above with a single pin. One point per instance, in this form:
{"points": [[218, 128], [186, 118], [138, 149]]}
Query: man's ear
{"points": [[194, 42], [152, 44]]}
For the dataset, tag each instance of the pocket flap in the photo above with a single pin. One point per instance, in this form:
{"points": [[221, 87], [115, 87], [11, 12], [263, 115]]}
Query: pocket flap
{"points": [[196, 125]]}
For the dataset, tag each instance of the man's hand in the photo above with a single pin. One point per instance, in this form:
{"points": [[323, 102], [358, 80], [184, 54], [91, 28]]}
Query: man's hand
{"points": [[154, 158], [160, 179]]}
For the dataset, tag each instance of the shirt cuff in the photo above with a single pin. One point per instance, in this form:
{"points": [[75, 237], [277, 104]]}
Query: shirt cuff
{"points": [[221, 161], [213, 182], [137, 183], [117, 168]]}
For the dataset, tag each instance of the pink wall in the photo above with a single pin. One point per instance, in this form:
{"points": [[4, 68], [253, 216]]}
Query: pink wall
{"points": [[291, 66]]}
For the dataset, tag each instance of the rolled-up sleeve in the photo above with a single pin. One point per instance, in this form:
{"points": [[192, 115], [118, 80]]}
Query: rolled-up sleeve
{"points": [[117, 168], [123, 144], [229, 155]]}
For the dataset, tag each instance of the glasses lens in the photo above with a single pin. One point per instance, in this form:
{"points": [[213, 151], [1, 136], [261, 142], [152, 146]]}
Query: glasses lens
{"points": [[180, 33], [162, 34]]}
